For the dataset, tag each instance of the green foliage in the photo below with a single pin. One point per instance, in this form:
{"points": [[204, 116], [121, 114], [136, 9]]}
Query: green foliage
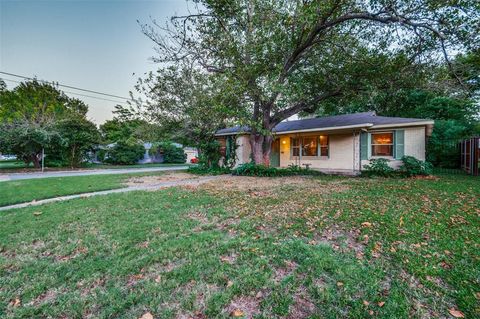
{"points": [[26, 140], [35, 116], [78, 136], [172, 153], [125, 154], [209, 156], [414, 167], [378, 167], [252, 169], [411, 166]]}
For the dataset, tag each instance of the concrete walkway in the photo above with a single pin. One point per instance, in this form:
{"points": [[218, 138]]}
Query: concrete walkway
{"points": [[184, 182], [19, 176]]}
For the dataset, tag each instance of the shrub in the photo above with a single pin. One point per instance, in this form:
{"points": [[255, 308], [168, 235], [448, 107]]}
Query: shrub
{"points": [[252, 169], [378, 167], [172, 153], [209, 154], [125, 154], [412, 167]]}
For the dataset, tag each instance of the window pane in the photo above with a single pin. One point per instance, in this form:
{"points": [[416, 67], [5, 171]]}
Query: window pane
{"points": [[309, 147], [382, 150], [382, 138], [295, 151], [324, 151], [323, 140]]}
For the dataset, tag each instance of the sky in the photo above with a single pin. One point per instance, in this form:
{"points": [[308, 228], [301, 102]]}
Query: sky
{"points": [[91, 44]]}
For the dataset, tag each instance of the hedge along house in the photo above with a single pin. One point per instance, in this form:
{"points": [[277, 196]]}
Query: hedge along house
{"points": [[337, 144]]}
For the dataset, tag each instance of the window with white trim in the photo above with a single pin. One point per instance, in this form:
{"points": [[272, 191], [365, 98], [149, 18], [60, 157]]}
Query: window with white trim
{"points": [[382, 144], [310, 146]]}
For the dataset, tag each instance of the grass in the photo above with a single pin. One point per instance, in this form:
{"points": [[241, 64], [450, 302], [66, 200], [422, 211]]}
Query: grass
{"points": [[12, 166], [323, 247], [19, 191]]}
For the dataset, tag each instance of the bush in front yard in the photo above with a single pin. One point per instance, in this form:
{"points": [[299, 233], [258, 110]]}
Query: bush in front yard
{"points": [[172, 153], [413, 167], [251, 169], [125, 154], [378, 167]]}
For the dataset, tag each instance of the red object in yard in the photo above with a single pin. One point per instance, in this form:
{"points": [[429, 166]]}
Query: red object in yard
{"points": [[194, 160]]}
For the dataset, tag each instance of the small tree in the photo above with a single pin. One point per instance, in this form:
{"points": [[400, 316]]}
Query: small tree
{"points": [[78, 137], [27, 140]]}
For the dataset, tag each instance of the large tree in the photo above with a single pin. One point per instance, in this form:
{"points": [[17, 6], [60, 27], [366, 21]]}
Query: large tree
{"points": [[30, 115], [288, 56]]}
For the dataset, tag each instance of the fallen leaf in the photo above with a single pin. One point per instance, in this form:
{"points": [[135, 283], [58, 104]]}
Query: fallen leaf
{"points": [[146, 315], [456, 313], [367, 224], [158, 279], [366, 303], [229, 283], [15, 302], [381, 303], [259, 295], [339, 284], [237, 313]]}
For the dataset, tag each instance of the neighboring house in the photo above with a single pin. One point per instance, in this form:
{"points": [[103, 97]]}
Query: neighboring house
{"points": [[342, 143]]}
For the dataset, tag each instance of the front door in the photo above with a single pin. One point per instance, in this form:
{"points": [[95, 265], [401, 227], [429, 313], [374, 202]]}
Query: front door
{"points": [[275, 153]]}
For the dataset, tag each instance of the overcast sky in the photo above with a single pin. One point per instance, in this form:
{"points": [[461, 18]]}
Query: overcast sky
{"points": [[91, 44]]}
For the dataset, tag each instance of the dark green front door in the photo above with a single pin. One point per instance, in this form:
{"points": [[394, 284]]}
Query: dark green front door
{"points": [[275, 153]]}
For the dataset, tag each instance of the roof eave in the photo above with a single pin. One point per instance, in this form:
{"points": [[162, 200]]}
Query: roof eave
{"points": [[417, 123], [331, 128]]}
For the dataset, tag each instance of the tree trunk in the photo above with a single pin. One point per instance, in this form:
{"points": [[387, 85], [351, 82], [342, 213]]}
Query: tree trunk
{"points": [[267, 149], [36, 161], [256, 142], [261, 148]]}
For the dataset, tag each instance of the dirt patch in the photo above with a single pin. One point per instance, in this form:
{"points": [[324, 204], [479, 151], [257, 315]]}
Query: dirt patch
{"points": [[47, 297], [248, 306], [229, 259], [156, 179], [200, 217], [201, 292], [302, 306], [76, 253], [285, 271], [342, 240]]}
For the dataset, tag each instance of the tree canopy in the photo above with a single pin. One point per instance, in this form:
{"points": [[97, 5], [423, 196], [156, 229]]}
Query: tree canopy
{"points": [[36, 115], [282, 57]]}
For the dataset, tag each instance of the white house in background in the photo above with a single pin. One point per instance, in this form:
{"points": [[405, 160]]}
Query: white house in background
{"points": [[191, 152], [338, 144]]}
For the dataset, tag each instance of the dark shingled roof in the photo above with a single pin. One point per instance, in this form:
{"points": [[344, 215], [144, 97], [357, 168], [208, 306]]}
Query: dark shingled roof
{"points": [[328, 121]]}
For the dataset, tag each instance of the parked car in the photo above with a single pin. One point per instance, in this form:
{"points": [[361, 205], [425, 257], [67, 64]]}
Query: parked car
{"points": [[194, 160]]}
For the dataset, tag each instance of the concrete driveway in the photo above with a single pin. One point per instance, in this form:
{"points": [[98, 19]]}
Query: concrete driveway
{"points": [[19, 176]]}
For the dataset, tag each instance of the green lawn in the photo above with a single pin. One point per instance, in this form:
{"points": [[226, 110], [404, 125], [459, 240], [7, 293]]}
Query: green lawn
{"points": [[325, 247], [13, 192], [11, 166]]}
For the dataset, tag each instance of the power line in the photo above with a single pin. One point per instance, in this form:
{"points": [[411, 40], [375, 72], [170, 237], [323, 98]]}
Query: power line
{"points": [[74, 93], [69, 86]]}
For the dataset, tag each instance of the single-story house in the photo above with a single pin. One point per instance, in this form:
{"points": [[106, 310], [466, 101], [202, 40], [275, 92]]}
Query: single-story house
{"points": [[338, 144]]}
